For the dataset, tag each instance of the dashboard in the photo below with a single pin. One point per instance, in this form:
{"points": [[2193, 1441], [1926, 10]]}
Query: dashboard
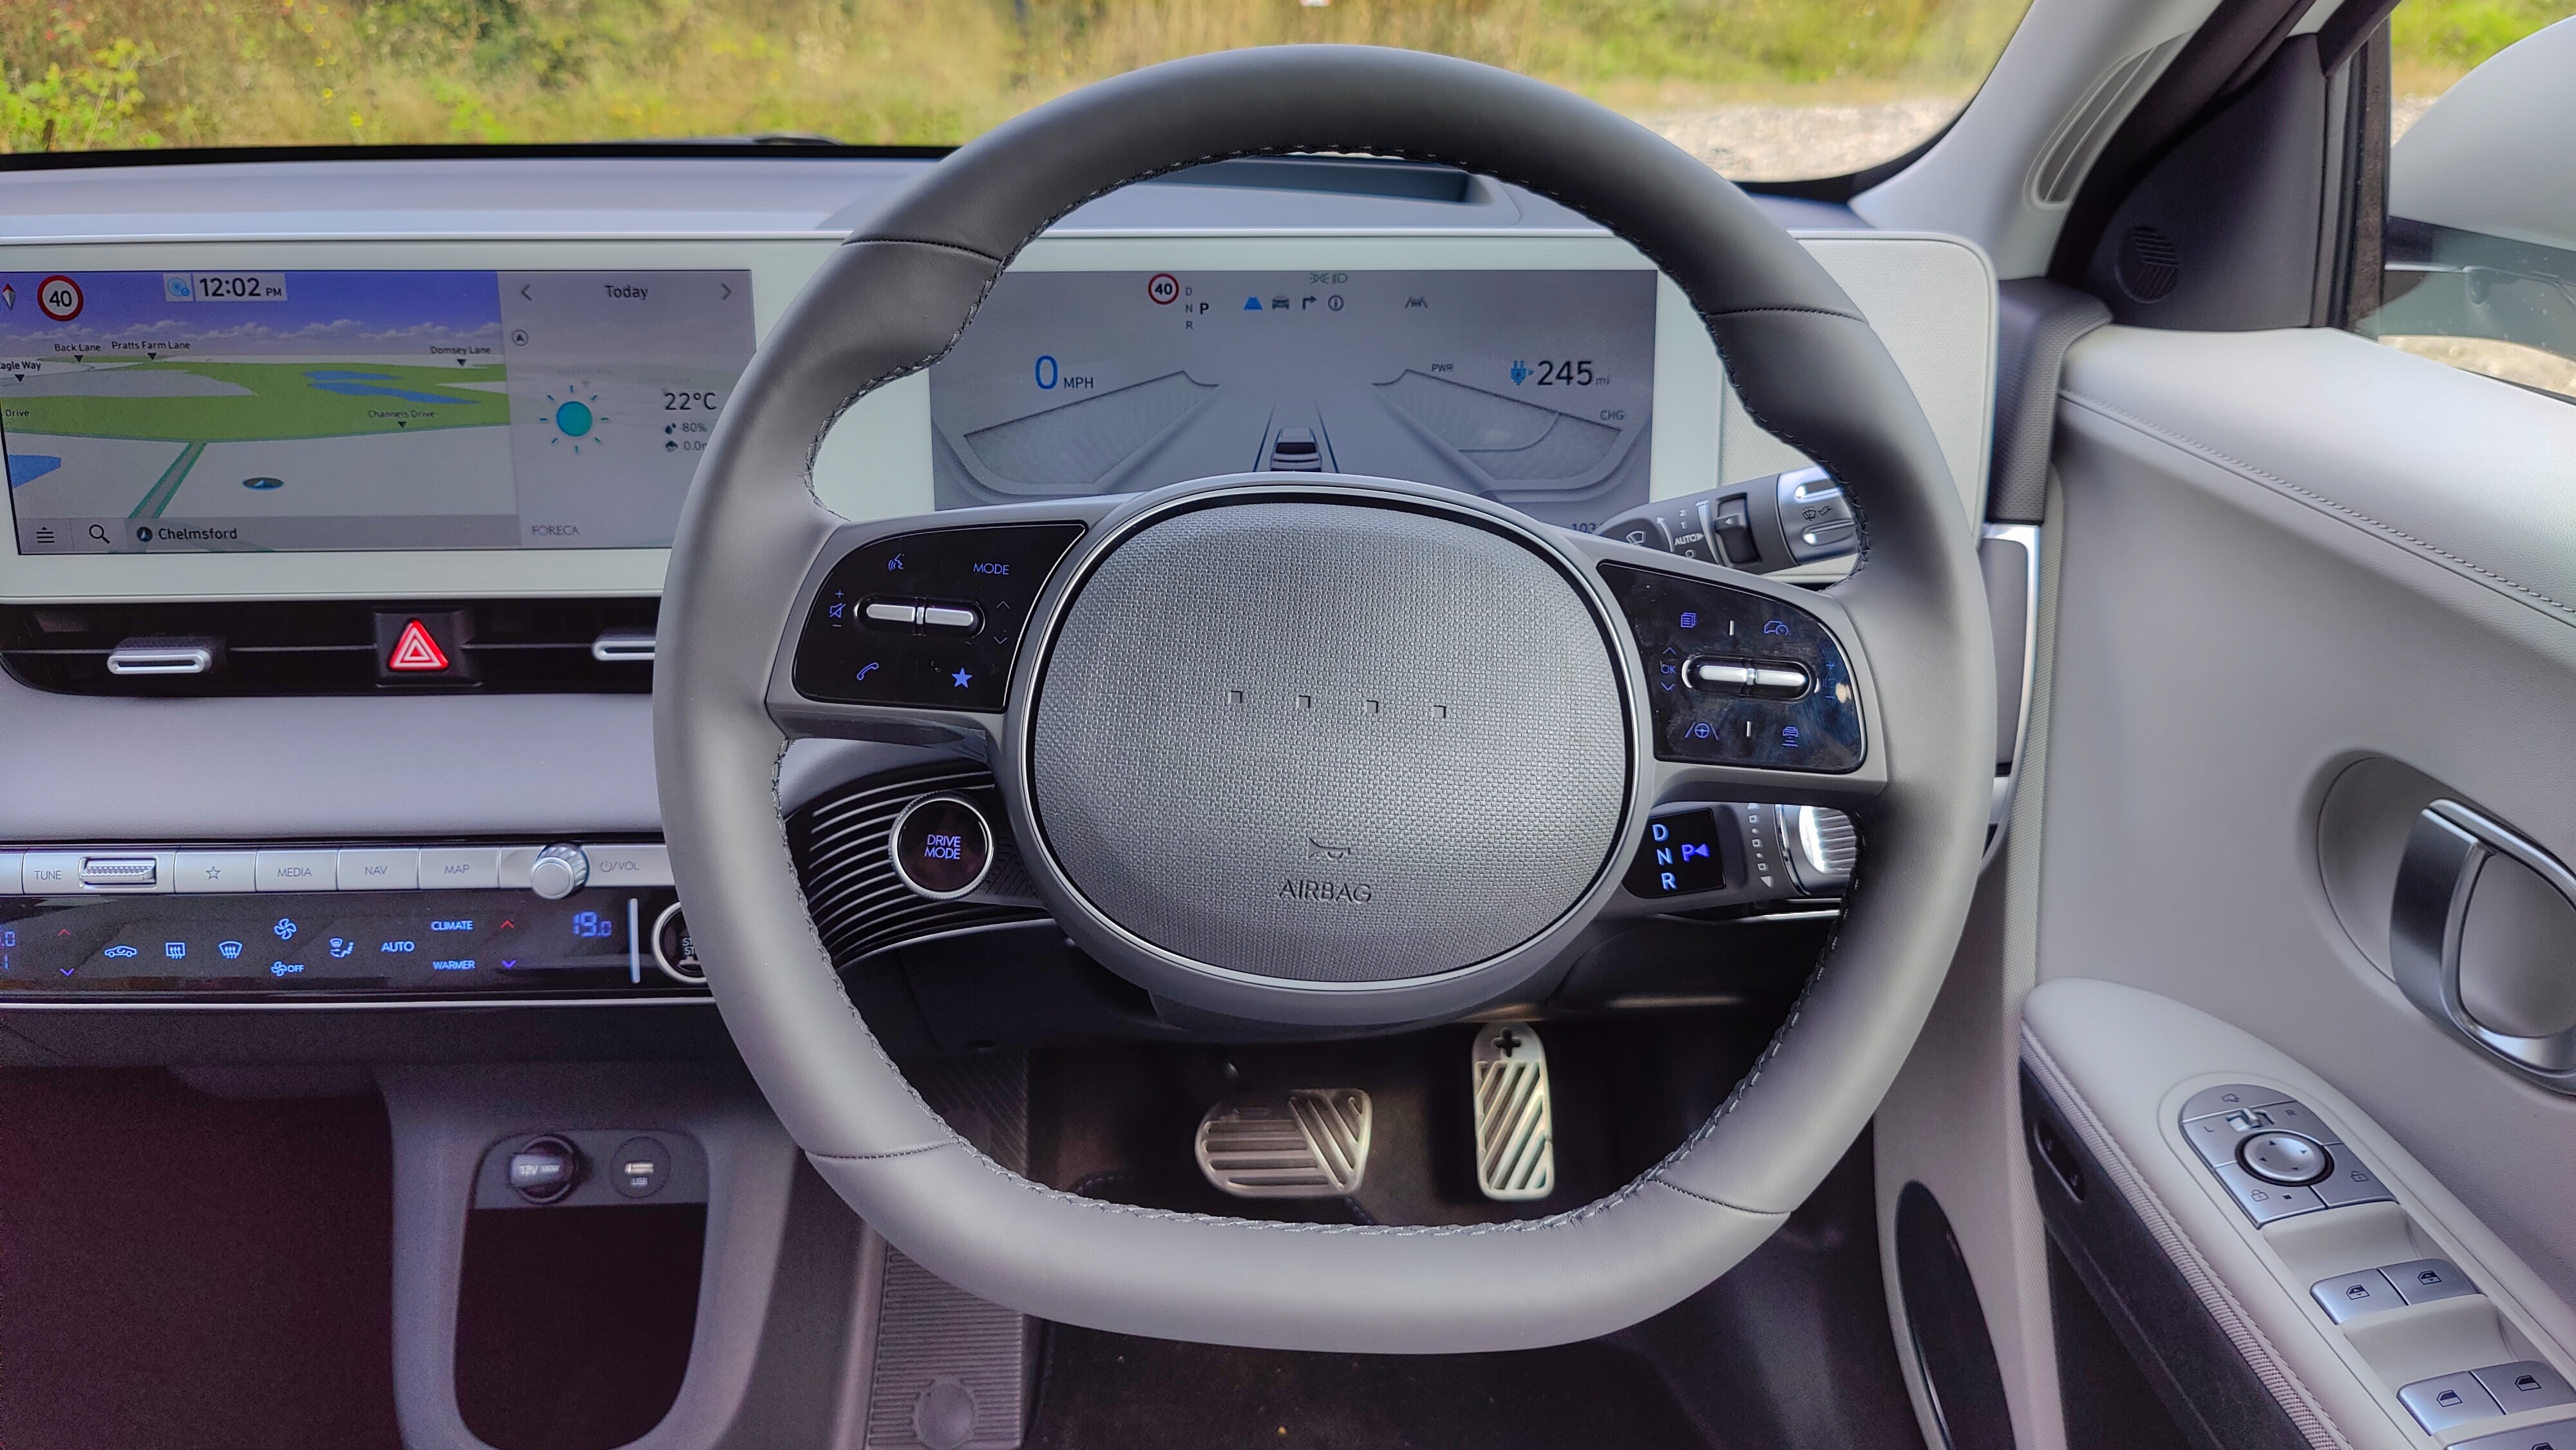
{"points": [[306, 459]]}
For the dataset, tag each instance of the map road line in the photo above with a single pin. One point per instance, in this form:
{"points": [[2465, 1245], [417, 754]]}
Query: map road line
{"points": [[168, 486]]}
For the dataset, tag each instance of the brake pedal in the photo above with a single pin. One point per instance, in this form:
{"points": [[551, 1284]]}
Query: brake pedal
{"points": [[1515, 1129], [1303, 1143]]}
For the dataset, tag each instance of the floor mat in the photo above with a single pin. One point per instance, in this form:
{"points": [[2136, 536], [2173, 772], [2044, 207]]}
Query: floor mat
{"points": [[1112, 1392]]}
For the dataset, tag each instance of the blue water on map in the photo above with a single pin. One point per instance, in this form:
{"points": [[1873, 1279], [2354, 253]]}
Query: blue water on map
{"points": [[357, 384], [28, 467]]}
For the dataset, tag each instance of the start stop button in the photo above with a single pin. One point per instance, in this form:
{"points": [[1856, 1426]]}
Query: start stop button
{"points": [[942, 847]]}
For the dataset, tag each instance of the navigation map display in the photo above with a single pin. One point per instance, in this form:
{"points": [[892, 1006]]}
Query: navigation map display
{"points": [[149, 412], [1530, 388]]}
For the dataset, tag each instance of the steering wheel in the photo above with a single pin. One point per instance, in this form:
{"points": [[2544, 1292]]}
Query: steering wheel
{"points": [[1316, 753]]}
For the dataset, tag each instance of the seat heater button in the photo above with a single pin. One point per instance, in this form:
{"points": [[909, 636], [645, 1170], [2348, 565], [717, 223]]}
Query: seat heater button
{"points": [[2354, 1295], [2526, 1385], [2264, 1202], [2421, 1281], [2284, 1158], [950, 618], [2447, 1400]]}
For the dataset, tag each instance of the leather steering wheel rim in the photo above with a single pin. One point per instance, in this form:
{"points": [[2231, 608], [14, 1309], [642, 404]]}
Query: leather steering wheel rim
{"points": [[894, 298]]}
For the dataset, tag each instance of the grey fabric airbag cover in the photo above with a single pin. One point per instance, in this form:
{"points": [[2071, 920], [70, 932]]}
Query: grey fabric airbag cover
{"points": [[1329, 742]]}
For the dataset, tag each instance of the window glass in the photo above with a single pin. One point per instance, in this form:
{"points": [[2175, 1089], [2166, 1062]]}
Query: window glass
{"points": [[1762, 89], [2480, 252]]}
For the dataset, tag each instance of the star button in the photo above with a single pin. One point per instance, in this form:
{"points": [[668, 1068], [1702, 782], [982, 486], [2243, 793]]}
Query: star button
{"points": [[962, 679]]}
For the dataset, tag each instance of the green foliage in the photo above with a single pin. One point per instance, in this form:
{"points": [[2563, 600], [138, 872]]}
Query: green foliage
{"points": [[95, 104], [80, 74], [2456, 36]]}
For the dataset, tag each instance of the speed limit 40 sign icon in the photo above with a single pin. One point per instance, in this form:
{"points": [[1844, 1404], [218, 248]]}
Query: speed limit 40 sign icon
{"points": [[1164, 289], [60, 297]]}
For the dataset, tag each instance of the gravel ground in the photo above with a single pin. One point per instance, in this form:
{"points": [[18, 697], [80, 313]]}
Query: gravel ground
{"points": [[1752, 142]]}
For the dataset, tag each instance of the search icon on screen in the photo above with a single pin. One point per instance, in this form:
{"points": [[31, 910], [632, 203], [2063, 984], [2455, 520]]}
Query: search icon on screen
{"points": [[98, 532]]}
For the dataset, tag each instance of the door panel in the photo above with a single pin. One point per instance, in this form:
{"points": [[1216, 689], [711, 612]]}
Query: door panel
{"points": [[2285, 555]]}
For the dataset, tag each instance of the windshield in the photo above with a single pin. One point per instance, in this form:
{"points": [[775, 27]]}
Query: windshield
{"points": [[1761, 89]]}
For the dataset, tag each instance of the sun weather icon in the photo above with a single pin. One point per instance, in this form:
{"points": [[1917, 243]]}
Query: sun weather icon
{"points": [[576, 418]]}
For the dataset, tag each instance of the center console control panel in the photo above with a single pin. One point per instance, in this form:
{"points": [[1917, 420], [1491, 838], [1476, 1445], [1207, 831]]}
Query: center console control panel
{"points": [[129, 923]]}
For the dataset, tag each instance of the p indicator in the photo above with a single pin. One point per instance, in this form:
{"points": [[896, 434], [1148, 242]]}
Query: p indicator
{"points": [[942, 847]]}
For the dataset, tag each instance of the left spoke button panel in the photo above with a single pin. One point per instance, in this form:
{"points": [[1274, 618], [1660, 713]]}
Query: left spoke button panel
{"points": [[930, 618], [1739, 678]]}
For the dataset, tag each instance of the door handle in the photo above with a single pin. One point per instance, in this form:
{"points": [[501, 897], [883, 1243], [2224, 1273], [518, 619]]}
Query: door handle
{"points": [[2450, 848]]}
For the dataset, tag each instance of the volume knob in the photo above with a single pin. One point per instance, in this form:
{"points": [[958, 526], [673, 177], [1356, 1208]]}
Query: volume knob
{"points": [[558, 872]]}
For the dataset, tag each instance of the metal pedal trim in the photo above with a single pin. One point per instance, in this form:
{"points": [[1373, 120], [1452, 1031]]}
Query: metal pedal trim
{"points": [[1515, 1126], [1303, 1143]]}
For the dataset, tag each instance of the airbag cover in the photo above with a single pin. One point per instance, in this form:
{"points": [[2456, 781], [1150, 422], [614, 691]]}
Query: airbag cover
{"points": [[1329, 742]]}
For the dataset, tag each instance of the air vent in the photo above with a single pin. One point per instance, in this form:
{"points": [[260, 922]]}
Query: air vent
{"points": [[327, 647], [2079, 139], [2148, 266], [860, 906]]}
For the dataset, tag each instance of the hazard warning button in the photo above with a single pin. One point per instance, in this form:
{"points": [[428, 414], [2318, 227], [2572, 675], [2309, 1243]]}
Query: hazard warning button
{"points": [[415, 650], [421, 648]]}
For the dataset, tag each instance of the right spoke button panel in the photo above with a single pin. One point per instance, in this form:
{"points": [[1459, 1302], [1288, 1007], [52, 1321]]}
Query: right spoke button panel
{"points": [[2275, 1157], [1739, 678]]}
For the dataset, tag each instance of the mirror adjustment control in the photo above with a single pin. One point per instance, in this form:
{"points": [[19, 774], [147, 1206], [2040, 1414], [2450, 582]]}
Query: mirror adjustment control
{"points": [[2284, 1158], [545, 1169]]}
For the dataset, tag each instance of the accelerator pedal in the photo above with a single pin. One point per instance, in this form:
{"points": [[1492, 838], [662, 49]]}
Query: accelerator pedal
{"points": [[1302, 1143], [1515, 1129]]}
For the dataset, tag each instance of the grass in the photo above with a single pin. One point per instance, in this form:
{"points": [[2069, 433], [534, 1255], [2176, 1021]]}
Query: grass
{"points": [[80, 74], [92, 73]]}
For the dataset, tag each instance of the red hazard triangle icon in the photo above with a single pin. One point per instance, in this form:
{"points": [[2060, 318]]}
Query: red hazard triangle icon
{"points": [[416, 650]]}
